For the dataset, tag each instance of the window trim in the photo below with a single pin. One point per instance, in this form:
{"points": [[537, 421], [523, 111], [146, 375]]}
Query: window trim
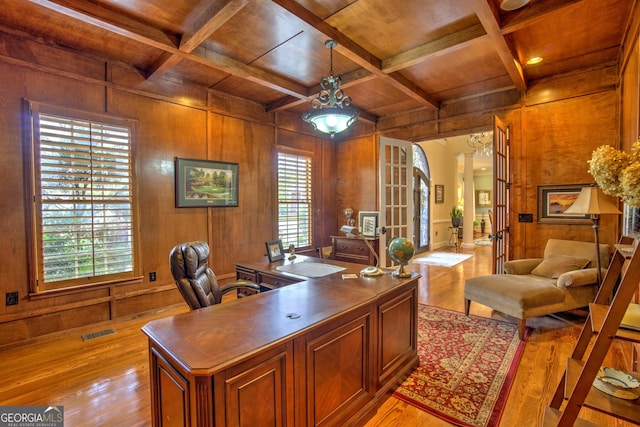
{"points": [[31, 109], [300, 153]]}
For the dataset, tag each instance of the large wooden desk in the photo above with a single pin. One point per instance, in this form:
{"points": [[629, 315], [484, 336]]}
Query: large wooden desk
{"points": [[321, 351]]}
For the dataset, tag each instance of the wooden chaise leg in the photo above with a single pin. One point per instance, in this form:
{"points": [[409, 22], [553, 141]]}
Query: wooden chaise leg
{"points": [[522, 324], [467, 304]]}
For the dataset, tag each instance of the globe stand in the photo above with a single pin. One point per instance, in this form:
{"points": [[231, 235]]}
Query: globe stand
{"points": [[401, 251], [401, 272]]}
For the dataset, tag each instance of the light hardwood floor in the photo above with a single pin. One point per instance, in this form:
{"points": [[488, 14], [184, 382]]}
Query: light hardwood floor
{"points": [[105, 381]]}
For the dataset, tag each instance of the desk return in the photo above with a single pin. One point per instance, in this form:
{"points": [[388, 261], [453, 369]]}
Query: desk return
{"points": [[323, 351]]}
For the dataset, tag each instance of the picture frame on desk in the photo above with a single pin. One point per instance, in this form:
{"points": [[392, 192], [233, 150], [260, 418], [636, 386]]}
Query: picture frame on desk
{"points": [[274, 250], [368, 223]]}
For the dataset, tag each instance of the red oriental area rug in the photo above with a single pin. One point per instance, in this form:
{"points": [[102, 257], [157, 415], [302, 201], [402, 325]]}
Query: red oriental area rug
{"points": [[467, 367]]}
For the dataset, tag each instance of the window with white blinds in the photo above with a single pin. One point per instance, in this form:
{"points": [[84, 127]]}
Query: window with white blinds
{"points": [[294, 200], [83, 201]]}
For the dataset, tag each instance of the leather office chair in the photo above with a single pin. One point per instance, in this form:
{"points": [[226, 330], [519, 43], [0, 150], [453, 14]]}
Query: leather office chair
{"points": [[196, 282]]}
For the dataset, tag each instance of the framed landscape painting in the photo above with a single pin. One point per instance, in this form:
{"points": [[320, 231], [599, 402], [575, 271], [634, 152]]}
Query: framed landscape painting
{"points": [[202, 183], [554, 200]]}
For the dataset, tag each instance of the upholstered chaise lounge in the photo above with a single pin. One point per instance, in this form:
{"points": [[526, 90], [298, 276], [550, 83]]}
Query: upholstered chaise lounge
{"points": [[565, 279]]}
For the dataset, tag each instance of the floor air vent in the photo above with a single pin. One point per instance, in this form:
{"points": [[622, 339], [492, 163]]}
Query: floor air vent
{"points": [[98, 334]]}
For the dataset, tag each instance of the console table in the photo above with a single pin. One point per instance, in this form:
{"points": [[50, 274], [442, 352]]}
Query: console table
{"points": [[318, 350], [353, 249]]}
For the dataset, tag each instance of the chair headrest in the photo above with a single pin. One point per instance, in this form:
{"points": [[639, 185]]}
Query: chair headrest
{"points": [[188, 258]]}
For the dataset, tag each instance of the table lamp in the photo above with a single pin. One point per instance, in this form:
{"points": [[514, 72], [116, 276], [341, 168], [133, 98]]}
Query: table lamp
{"points": [[594, 203], [351, 231]]}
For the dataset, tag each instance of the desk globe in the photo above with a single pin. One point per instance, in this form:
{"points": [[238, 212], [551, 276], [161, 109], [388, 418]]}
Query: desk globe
{"points": [[401, 251]]}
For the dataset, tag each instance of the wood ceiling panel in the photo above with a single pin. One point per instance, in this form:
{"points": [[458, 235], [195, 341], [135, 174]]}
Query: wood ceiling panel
{"points": [[580, 29], [305, 59], [325, 8], [495, 84], [469, 65], [197, 73], [286, 46], [45, 24], [246, 89], [379, 98], [393, 56], [392, 28], [169, 15], [253, 32]]}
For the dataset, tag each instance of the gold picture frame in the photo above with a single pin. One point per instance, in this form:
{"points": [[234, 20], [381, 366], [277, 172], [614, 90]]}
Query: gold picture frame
{"points": [[554, 200], [483, 199]]}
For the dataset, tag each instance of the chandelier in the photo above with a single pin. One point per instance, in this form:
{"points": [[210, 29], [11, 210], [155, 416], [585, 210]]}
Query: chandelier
{"points": [[330, 113], [482, 143]]}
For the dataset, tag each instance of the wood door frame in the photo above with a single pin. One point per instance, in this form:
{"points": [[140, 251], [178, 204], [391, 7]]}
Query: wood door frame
{"points": [[400, 225], [501, 195]]}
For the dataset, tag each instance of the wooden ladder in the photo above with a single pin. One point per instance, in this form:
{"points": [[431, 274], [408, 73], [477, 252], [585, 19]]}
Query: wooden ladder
{"points": [[601, 327]]}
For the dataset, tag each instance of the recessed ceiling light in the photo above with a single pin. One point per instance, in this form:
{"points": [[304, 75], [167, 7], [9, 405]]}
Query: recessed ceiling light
{"points": [[512, 4], [535, 60]]}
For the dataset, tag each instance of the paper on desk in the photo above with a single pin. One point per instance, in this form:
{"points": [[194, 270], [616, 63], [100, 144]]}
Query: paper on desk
{"points": [[310, 269]]}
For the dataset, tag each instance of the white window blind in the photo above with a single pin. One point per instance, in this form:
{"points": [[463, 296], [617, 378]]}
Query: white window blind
{"points": [[83, 199], [294, 200]]}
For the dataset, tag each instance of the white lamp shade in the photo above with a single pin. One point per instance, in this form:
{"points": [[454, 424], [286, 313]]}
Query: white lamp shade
{"points": [[592, 201], [331, 120]]}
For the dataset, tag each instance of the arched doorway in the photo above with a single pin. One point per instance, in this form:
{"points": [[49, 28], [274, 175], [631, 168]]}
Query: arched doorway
{"points": [[421, 207]]}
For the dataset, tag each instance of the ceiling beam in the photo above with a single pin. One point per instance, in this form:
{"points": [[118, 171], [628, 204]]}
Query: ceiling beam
{"points": [[106, 19], [356, 53], [240, 69], [208, 22], [100, 17], [489, 16], [201, 28], [442, 45]]}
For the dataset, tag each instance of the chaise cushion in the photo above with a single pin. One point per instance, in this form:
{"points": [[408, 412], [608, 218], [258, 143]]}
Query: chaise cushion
{"points": [[506, 292], [573, 279], [554, 266]]}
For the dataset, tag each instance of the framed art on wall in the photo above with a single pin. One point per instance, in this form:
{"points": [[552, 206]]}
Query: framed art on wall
{"points": [[368, 223], [202, 183], [439, 193], [483, 198], [554, 200]]}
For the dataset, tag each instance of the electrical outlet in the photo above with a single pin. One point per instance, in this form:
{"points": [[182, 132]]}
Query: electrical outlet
{"points": [[11, 298], [152, 276]]}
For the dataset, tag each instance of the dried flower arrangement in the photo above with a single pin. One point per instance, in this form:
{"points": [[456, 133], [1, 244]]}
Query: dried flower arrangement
{"points": [[617, 173]]}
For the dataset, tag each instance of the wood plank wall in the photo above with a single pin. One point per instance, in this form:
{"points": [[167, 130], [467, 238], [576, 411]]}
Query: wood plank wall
{"points": [[173, 120], [554, 128]]}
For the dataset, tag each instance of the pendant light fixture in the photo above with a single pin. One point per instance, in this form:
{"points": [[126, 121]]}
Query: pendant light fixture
{"points": [[331, 113]]}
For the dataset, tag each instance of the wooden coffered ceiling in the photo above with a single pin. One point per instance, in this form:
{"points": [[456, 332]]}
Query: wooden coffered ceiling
{"points": [[393, 56]]}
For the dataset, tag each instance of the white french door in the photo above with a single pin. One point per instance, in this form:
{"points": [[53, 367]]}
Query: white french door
{"points": [[501, 172], [396, 193]]}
